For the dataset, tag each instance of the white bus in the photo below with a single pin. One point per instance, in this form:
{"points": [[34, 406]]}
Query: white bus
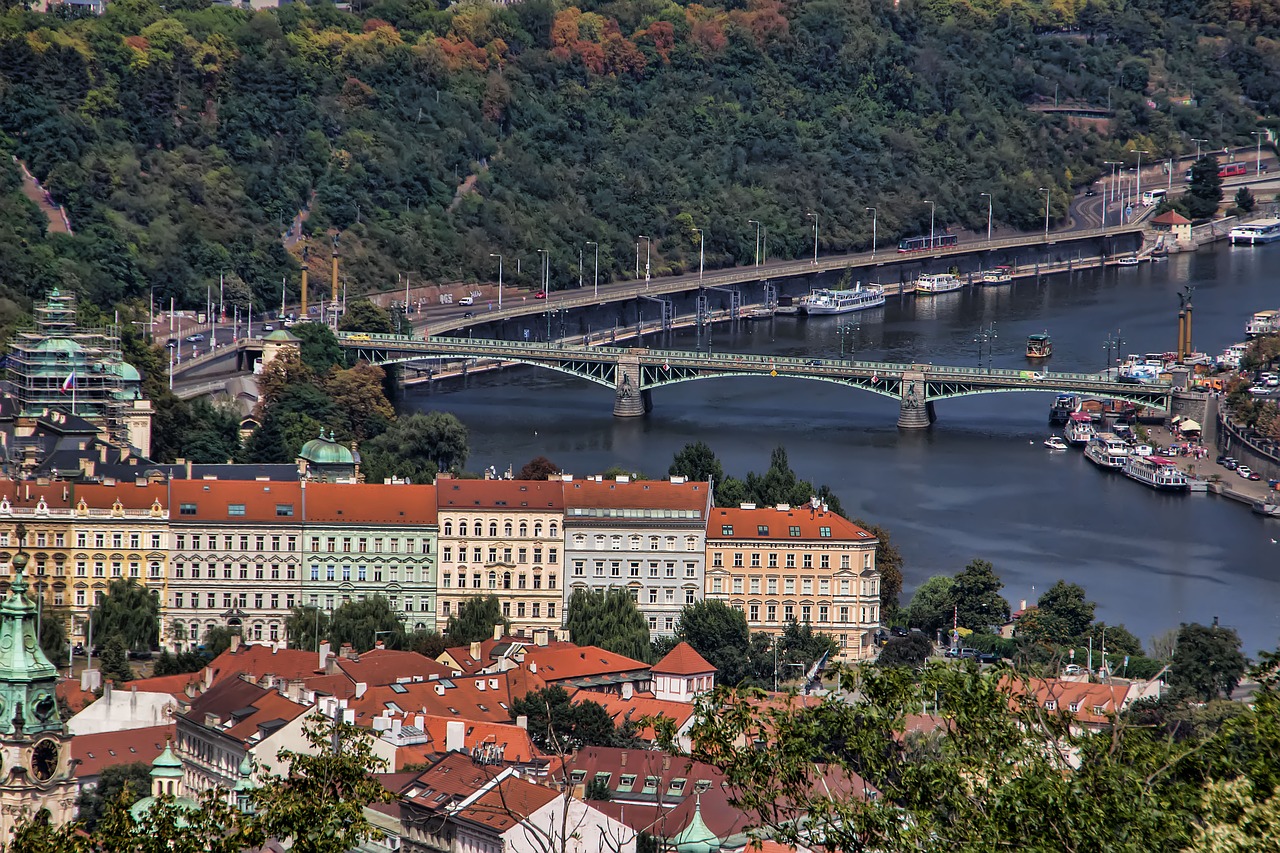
{"points": [[1151, 198]]}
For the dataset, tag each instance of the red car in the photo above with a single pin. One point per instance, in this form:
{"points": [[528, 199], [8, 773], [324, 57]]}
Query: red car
{"points": [[541, 294]]}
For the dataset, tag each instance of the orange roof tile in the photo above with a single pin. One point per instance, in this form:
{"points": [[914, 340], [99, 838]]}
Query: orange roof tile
{"points": [[96, 752], [387, 666], [245, 705], [1171, 217], [683, 660], [746, 524], [68, 689], [455, 495], [370, 503], [638, 494], [452, 778], [130, 494], [460, 698], [563, 664], [638, 707], [211, 499], [1076, 698], [517, 747], [259, 661], [174, 685], [508, 803]]}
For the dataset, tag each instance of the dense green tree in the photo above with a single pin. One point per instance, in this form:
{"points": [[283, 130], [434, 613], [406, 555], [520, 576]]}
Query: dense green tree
{"points": [[538, 468], [115, 660], [363, 622], [909, 651], [1065, 612], [559, 726], [118, 784], [416, 447], [360, 406], [427, 642], [800, 647], [363, 316], [306, 625], [167, 663], [719, 633], [697, 462], [931, 606], [217, 639], [609, 619], [976, 594], [475, 619], [53, 634], [128, 611], [319, 348], [1204, 190], [1207, 661], [889, 564], [1244, 200]]}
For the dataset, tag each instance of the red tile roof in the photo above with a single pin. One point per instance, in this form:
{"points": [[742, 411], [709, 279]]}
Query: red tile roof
{"points": [[1171, 217], [387, 666], [745, 524], [638, 707], [452, 778], [245, 705], [458, 698], [130, 494], [455, 495], [1064, 694], [370, 503], [259, 661], [638, 494], [174, 685], [517, 747], [575, 662], [508, 803], [683, 660], [68, 689], [211, 498], [96, 752], [491, 649]]}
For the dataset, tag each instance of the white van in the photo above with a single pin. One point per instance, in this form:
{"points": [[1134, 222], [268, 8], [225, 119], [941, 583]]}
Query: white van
{"points": [[466, 300]]}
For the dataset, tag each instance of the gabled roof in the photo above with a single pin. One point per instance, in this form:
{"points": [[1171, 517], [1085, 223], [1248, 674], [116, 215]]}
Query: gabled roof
{"points": [[506, 804], [638, 494], [452, 778], [370, 503], [529, 495], [96, 752], [1171, 217], [387, 666], [778, 523], [174, 685], [683, 660], [259, 661], [481, 698], [514, 742], [579, 662], [241, 710], [455, 777]]}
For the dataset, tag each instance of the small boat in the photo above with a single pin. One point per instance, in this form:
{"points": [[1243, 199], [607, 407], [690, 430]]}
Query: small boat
{"points": [[1053, 442], [1039, 346], [825, 301], [1107, 451], [1256, 233], [759, 312], [998, 275], [1079, 430], [1157, 472], [1060, 411], [931, 285], [1128, 261]]}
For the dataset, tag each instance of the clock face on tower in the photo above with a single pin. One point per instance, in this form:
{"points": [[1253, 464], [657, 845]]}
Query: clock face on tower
{"points": [[44, 759]]}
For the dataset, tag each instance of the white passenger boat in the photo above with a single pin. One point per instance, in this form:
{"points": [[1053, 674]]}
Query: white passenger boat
{"points": [[1107, 451], [1262, 323], [1079, 429], [1256, 233], [1053, 442], [931, 285], [998, 275], [1156, 472], [1128, 261], [843, 301]]}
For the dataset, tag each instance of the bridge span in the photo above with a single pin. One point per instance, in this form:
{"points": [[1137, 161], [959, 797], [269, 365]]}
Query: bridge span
{"points": [[633, 373]]}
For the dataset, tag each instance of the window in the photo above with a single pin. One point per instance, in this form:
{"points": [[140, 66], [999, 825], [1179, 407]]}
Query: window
{"points": [[771, 612], [284, 510], [186, 509], [755, 559], [717, 585], [688, 596], [755, 586], [793, 531], [234, 510], [717, 559], [737, 559], [726, 530], [754, 613], [762, 530], [737, 586], [824, 532], [823, 613]]}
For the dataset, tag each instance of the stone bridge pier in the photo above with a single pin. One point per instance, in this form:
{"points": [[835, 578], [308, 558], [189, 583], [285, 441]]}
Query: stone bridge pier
{"points": [[914, 412], [628, 400]]}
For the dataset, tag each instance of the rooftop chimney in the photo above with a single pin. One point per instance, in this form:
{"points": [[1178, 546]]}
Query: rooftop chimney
{"points": [[522, 722], [326, 651], [622, 758], [746, 506], [235, 643], [454, 732], [628, 690], [497, 631], [475, 650]]}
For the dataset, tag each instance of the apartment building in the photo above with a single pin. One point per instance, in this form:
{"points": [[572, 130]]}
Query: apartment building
{"points": [[503, 538], [364, 540], [235, 559], [805, 563], [648, 537], [81, 537]]}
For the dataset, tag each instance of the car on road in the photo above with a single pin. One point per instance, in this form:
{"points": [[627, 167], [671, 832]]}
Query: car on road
{"points": [[171, 343], [541, 294], [467, 315], [1244, 471], [1072, 669], [1222, 459], [1254, 475], [813, 362], [1230, 464], [988, 657], [466, 300], [268, 328], [1090, 191], [196, 338], [898, 631]]}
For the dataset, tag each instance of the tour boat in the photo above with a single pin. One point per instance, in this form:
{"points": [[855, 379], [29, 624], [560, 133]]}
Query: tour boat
{"points": [[931, 285], [1079, 429], [1039, 346], [1128, 261], [843, 301], [1262, 323], [1107, 451], [1053, 442], [1156, 472], [1060, 411], [1256, 233], [998, 275], [786, 306]]}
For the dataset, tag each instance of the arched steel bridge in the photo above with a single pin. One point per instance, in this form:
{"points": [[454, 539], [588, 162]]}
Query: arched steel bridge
{"points": [[633, 373]]}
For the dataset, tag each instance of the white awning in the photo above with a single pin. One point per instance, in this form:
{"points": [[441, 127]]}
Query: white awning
{"points": [[1189, 425]]}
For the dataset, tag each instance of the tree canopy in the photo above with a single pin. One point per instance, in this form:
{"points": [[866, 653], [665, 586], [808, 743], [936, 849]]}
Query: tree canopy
{"points": [[475, 619], [609, 619], [128, 611]]}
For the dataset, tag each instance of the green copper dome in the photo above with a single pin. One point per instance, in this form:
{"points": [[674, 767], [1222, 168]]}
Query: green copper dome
{"points": [[64, 345], [326, 451], [697, 837], [282, 336], [27, 679], [166, 780], [166, 764], [125, 371]]}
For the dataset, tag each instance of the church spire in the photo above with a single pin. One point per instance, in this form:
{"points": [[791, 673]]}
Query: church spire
{"points": [[28, 679]]}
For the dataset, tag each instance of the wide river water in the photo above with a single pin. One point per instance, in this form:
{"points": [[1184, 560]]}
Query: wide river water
{"points": [[978, 484]]}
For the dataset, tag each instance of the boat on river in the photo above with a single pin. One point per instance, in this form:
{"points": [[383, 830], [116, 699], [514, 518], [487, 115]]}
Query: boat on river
{"points": [[825, 301], [932, 285], [1256, 233], [1063, 406], [759, 312], [1262, 323], [1156, 472], [1039, 346], [1079, 430], [1054, 442], [1128, 261], [786, 306], [998, 275], [1108, 451], [1267, 508]]}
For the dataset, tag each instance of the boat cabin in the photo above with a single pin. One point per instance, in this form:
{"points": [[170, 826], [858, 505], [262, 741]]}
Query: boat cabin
{"points": [[1039, 346]]}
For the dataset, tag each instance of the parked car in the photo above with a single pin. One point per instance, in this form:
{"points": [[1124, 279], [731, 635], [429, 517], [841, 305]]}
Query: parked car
{"points": [[951, 653], [988, 657], [898, 631], [1244, 471], [1254, 475], [1072, 669], [171, 343], [969, 653], [1230, 464], [467, 315]]}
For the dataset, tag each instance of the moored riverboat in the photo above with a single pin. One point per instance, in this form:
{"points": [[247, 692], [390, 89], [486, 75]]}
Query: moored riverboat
{"points": [[1039, 345], [932, 285], [1156, 472], [1079, 430], [1108, 451]]}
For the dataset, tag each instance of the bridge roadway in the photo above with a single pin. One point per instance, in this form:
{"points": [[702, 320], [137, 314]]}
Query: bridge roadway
{"points": [[633, 373], [614, 292]]}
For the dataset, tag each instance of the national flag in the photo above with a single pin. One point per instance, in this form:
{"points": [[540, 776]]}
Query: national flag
{"points": [[69, 383]]}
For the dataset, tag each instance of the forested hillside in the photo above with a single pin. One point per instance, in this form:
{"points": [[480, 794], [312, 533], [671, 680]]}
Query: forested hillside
{"points": [[183, 138]]}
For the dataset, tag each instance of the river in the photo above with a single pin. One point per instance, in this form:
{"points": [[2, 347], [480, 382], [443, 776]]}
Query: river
{"points": [[978, 484]]}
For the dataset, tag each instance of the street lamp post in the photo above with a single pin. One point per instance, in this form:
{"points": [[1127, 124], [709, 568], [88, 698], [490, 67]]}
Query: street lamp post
{"points": [[932, 209], [596, 286], [1047, 194], [702, 243], [1112, 164], [815, 237], [988, 195], [846, 330], [1137, 191], [1197, 142], [1257, 135], [492, 255], [873, 231], [756, 223], [646, 260], [542, 269]]}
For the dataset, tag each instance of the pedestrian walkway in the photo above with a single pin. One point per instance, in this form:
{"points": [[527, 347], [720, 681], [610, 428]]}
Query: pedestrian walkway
{"points": [[53, 212]]}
